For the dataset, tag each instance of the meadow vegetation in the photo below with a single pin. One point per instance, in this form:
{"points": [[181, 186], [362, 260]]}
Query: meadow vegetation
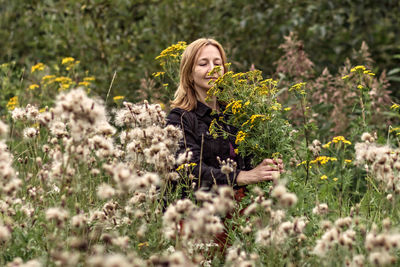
{"points": [[95, 181]]}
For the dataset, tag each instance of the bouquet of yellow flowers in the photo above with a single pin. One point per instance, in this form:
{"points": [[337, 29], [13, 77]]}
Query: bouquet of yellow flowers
{"points": [[253, 108]]}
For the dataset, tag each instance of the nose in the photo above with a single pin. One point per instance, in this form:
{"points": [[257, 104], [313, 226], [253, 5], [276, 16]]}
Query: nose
{"points": [[211, 67]]}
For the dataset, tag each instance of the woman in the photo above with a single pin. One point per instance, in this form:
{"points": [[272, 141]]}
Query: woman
{"points": [[193, 114]]}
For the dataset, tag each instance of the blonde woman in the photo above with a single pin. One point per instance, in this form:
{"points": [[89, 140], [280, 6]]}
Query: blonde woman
{"points": [[192, 113]]}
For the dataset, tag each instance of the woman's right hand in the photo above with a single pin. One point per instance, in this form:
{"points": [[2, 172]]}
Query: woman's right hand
{"points": [[267, 170]]}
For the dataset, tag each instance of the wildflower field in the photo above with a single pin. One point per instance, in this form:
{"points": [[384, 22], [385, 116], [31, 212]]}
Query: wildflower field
{"points": [[92, 181]]}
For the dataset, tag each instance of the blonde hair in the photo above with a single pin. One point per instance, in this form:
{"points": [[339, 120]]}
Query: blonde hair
{"points": [[185, 96]]}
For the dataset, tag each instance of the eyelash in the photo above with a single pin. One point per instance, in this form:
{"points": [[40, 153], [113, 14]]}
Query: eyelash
{"points": [[204, 64]]}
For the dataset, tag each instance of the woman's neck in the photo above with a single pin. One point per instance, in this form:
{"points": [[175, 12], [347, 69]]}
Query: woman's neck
{"points": [[211, 102]]}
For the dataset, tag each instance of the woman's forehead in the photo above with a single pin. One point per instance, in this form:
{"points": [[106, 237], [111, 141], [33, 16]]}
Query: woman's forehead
{"points": [[209, 52]]}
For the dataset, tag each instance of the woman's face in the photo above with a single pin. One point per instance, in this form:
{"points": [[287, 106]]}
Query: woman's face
{"points": [[209, 57]]}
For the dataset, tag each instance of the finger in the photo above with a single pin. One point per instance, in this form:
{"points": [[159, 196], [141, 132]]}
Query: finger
{"points": [[270, 168], [268, 161]]}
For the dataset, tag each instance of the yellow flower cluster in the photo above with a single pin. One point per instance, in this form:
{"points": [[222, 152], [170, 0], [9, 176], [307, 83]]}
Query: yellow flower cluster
{"points": [[37, 67], [157, 74], [299, 87], [254, 117], [87, 81], [65, 82], [173, 51], [12, 103], [48, 79], [267, 87], [86, 84], [236, 106], [337, 139], [240, 137], [70, 62], [67, 60], [211, 128], [322, 160], [33, 87], [324, 177], [361, 69], [118, 97], [395, 106], [186, 165], [276, 106]]}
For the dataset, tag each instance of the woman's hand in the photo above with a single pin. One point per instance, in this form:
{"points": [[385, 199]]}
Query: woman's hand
{"points": [[267, 170]]}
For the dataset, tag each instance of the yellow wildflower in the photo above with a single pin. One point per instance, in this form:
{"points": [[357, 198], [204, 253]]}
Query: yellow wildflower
{"points": [[345, 77], [63, 79], [140, 245], [358, 68], [254, 117], [335, 179], [162, 105], [240, 137], [157, 74], [118, 97], [341, 139], [172, 51], [89, 79], [360, 86], [186, 166], [276, 106], [236, 151], [368, 72], [327, 145], [322, 160], [84, 83], [48, 78], [33, 86], [236, 106], [37, 67], [324, 177], [395, 106], [302, 163], [67, 60], [12, 103], [348, 160], [211, 128], [287, 109], [299, 87], [42, 110]]}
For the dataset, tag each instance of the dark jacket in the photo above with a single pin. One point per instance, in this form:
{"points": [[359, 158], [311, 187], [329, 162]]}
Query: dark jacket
{"points": [[195, 125]]}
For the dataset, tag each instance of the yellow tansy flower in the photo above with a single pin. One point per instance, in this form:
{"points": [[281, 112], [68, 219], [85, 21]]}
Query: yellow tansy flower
{"points": [[84, 83], [67, 60], [118, 97], [358, 68], [33, 86], [395, 106], [157, 74], [12, 103], [324, 177], [89, 79], [240, 137], [37, 67]]}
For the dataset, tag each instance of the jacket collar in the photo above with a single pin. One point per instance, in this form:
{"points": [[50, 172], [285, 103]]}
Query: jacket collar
{"points": [[202, 109]]}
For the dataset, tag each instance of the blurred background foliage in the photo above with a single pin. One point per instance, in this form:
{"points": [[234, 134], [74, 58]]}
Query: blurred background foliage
{"points": [[124, 36]]}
